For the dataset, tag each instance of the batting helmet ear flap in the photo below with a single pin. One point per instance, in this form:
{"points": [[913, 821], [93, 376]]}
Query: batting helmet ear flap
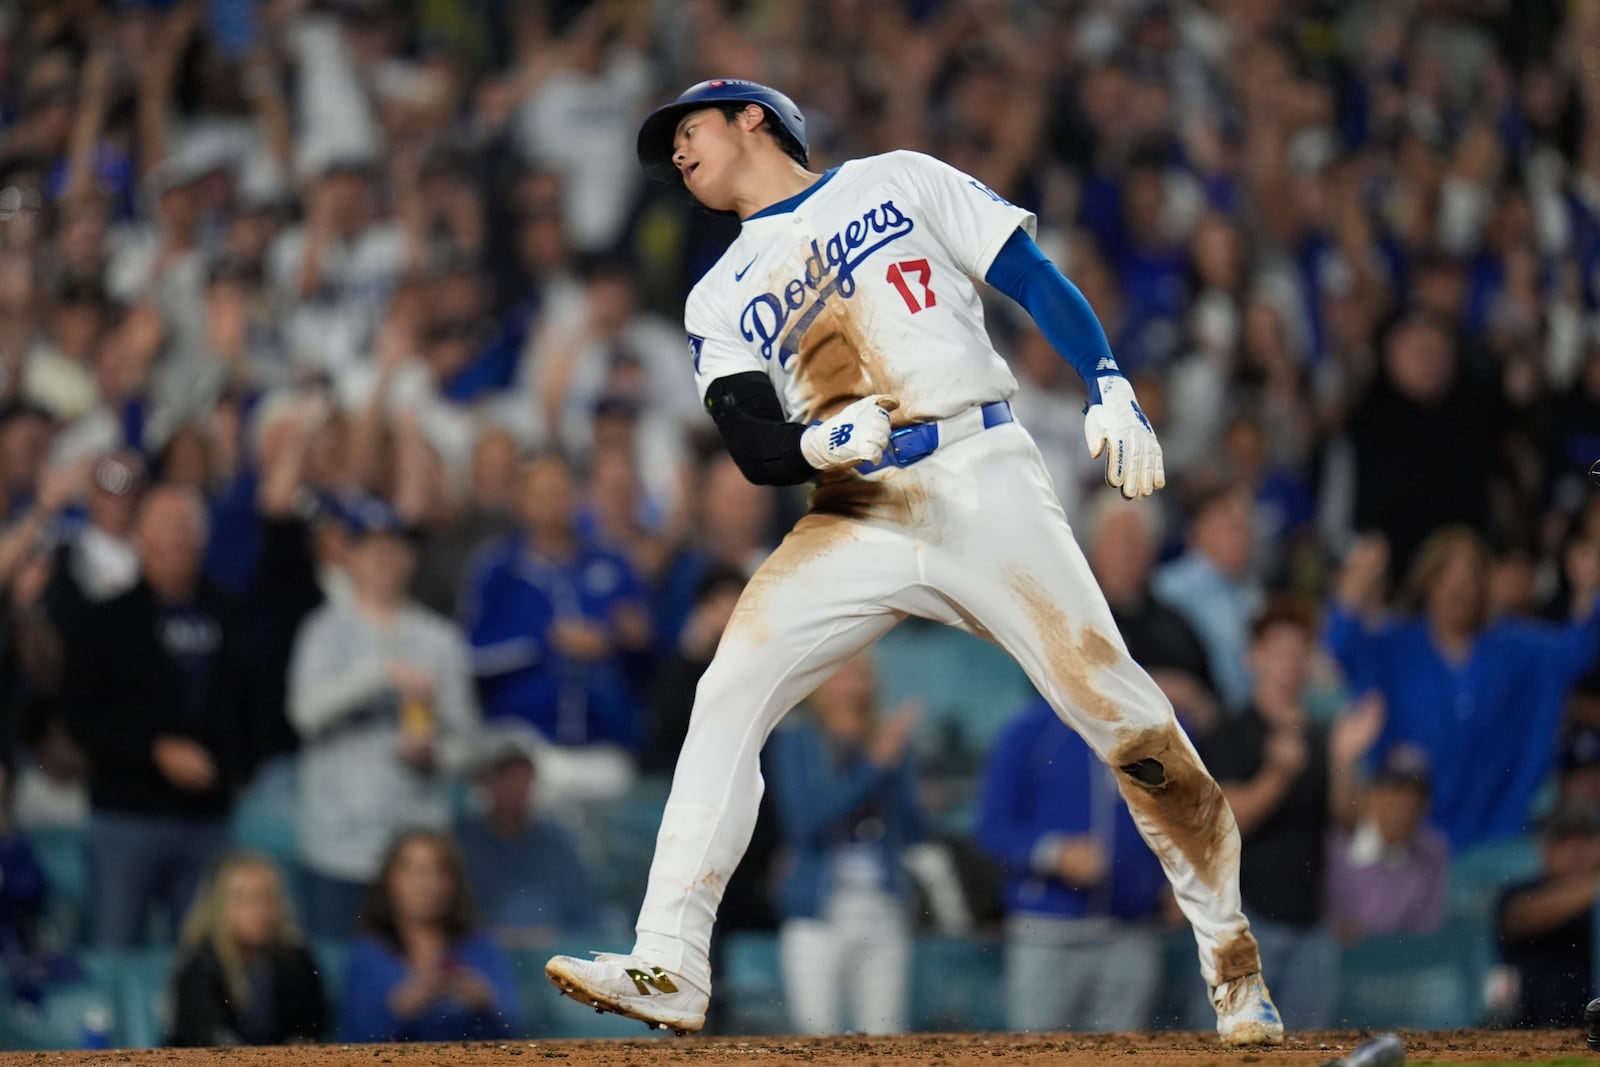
{"points": [[658, 130]]}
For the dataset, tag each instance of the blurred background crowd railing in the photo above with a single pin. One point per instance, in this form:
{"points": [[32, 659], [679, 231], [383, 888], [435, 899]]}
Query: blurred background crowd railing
{"points": [[356, 510]]}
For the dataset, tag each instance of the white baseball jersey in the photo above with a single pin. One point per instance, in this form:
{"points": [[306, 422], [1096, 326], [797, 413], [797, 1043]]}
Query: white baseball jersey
{"points": [[862, 284]]}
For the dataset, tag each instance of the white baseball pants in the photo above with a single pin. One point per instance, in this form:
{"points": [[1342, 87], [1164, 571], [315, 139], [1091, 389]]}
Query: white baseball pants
{"points": [[972, 536]]}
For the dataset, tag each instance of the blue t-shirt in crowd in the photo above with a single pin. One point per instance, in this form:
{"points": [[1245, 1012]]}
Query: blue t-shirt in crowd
{"points": [[1488, 724], [374, 970]]}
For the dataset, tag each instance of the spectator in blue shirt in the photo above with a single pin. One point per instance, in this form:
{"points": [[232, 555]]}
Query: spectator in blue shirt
{"points": [[1212, 585], [523, 867], [847, 809], [424, 971], [556, 624], [1083, 892], [1483, 698]]}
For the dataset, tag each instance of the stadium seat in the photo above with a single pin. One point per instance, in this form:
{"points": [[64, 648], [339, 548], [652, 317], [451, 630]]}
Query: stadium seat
{"points": [[970, 686], [63, 854], [60, 1020], [1479, 875], [144, 996], [751, 980], [958, 983], [1420, 982]]}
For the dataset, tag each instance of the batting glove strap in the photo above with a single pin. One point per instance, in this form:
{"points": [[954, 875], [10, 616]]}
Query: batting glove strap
{"points": [[857, 434], [1115, 427]]}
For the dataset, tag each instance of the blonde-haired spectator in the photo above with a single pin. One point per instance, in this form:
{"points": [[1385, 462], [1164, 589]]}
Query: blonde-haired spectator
{"points": [[244, 976]]}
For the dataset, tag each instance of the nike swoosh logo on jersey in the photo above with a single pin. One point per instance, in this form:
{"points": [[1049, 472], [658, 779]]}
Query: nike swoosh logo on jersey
{"points": [[739, 275]]}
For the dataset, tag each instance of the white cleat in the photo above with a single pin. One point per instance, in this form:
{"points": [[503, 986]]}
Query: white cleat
{"points": [[1246, 1014], [633, 987]]}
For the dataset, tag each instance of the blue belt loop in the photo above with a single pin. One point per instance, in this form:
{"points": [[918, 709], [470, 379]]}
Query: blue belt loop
{"points": [[997, 413], [911, 444]]}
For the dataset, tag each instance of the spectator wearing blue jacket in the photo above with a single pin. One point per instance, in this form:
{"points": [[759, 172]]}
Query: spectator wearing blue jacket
{"points": [[557, 626], [1083, 892], [1482, 697], [424, 971], [847, 809]]}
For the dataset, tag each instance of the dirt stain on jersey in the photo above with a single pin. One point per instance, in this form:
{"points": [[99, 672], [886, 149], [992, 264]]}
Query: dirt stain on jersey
{"points": [[1237, 957], [839, 364], [1073, 652], [1179, 802]]}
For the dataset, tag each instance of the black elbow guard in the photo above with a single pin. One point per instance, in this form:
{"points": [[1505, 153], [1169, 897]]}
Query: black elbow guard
{"points": [[750, 419]]}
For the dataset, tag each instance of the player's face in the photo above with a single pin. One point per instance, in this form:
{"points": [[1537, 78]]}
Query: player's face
{"points": [[706, 150]]}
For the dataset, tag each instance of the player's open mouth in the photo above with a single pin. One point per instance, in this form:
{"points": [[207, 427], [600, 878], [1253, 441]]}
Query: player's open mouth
{"points": [[690, 169]]}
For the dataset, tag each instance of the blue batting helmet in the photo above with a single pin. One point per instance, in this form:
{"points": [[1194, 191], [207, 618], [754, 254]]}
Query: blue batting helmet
{"points": [[655, 136]]}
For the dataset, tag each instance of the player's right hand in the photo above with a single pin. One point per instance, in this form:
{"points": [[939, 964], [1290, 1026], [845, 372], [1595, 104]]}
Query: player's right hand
{"points": [[858, 434]]}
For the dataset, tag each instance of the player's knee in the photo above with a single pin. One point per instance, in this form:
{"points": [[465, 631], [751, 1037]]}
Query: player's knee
{"points": [[1148, 772]]}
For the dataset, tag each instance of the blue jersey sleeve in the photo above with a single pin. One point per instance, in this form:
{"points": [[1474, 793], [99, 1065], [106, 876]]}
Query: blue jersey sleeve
{"points": [[1023, 272]]}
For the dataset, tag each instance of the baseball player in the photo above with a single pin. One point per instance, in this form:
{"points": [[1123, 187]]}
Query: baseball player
{"points": [[840, 340]]}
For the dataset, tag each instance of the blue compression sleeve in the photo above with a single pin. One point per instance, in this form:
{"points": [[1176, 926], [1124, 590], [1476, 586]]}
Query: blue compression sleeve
{"points": [[1025, 274]]}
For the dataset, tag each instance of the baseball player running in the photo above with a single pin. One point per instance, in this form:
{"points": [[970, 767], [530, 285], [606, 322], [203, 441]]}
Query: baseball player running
{"points": [[840, 340]]}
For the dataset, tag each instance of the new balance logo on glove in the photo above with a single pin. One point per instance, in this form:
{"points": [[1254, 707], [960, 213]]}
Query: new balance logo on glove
{"points": [[857, 434]]}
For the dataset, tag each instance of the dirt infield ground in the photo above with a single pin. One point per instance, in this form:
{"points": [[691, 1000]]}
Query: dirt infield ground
{"points": [[938, 1050]]}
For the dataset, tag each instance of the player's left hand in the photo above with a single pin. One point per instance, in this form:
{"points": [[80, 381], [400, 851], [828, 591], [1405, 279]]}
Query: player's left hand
{"points": [[1117, 427]]}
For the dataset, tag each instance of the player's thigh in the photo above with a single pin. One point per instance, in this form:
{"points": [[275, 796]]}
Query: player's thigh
{"points": [[826, 593], [1014, 572]]}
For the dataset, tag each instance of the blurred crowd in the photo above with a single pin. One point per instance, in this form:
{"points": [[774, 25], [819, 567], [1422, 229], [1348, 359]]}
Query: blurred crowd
{"points": [[349, 454]]}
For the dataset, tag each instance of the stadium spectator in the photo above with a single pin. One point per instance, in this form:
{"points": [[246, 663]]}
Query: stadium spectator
{"points": [[1546, 926], [1483, 698], [1388, 873], [380, 691], [523, 868], [23, 892], [485, 516], [1289, 779], [1214, 588], [1083, 891], [554, 621], [1578, 769], [423, 970], [99, 560], [1122, 543], [731, 527], [243, 976], [1425, 420], [847, 808], [159, 690], [715, 597]]}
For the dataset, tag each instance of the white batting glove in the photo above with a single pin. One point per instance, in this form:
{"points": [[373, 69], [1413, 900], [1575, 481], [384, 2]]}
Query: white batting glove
{"points": [[1118, 428], [858, 434]]}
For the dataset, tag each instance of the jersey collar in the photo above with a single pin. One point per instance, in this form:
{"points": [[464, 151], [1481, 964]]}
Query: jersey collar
{"points": [[783, 207]]}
